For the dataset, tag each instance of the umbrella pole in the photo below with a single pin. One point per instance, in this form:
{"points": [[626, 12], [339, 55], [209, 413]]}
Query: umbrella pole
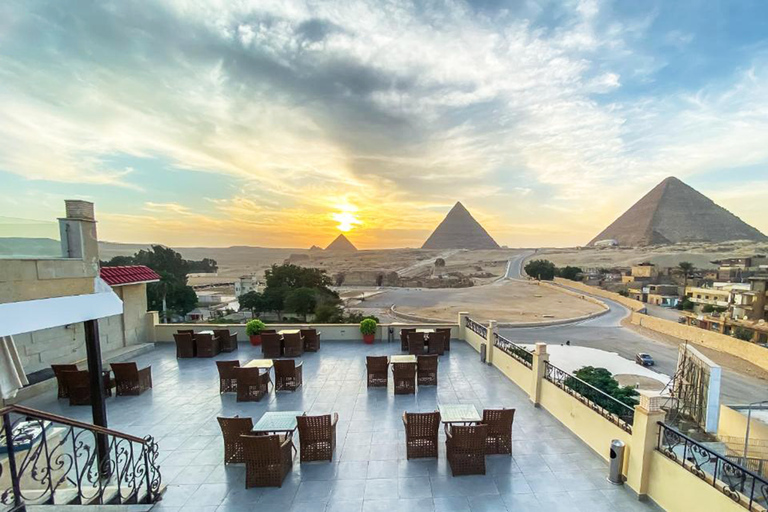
{"points": [[98, 394]]}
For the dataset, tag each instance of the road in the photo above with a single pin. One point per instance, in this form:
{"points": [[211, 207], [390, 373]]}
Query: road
{"points": [[607, 333]]}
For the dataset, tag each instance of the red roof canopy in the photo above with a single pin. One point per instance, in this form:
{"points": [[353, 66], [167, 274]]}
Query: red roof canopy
{"points": [[134, 274]]}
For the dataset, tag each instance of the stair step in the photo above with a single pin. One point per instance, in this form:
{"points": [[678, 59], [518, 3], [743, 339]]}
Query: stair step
{"points": [[89, 508]]}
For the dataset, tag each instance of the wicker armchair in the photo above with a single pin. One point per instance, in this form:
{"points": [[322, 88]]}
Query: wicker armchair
{"points": [[129, 380], [231, 430], [427, 370], [78, 384], [499, 436], [446, 332], [268, 459], [185, 345], [252, 384], [270, 345], [207, 345], [436, 343], [288, 374], [293, 344], [58, 372], [404, 338], [311, 340], [421, 434], [404, 375], [227, 340], [227, 376], [465, 448], [317, 436], [415, 343], [378, 371]]}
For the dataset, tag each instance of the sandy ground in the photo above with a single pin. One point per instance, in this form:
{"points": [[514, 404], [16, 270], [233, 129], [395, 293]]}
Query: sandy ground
{"points": [[505, 301], [725, 360]]}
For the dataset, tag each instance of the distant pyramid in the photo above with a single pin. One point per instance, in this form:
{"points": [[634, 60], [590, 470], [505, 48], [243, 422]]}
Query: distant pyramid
{"points": [[459, 230], [315, 248], [673, 213], [341, 244]]}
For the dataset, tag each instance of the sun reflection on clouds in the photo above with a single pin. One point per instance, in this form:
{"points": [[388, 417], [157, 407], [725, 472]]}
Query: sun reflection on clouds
{"points": [[347, 217]]}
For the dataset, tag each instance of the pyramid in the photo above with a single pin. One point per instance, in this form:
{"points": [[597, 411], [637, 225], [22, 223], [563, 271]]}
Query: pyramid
{"points": [[459, 230], [341, 244], [673, 213]]}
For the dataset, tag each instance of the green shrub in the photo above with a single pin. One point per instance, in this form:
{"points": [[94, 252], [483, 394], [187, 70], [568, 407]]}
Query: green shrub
{"points": [[368, 326], [254, 327], [743, 334], [541, 269]]}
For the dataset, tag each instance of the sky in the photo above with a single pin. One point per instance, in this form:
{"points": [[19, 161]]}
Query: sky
{"points": [[282, 123]]}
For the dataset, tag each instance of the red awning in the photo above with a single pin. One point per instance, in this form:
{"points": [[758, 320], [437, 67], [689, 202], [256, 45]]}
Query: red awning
{"points": [[134, 274]]}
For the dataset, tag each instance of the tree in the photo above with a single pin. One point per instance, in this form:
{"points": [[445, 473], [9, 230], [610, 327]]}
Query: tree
{"points": [[252, 301], [686, 269], [439, 263], [294, 276], [274, 300], [743, 334], [572, 273], [543, 270], [603, 380], [328, 314], [301, 301]]}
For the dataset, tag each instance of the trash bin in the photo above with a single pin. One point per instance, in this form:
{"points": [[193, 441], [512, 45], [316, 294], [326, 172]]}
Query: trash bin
{"points": [[616, 463], [483, 348]]}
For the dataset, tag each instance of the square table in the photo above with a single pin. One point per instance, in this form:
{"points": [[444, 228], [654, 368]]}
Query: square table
{"points": [[206, 332], [402, 359], [277, 422], [265, 364], [459, 413], [425, 331], [288, 331]]}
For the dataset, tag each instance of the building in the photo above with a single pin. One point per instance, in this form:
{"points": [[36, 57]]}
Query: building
{"points": [[246, 284], [752, 304], [644, 272], [738, 270]]}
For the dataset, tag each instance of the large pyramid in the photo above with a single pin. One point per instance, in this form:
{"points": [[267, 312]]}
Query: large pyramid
{"points": [[341, 244], [672, 213], [459, 230]]}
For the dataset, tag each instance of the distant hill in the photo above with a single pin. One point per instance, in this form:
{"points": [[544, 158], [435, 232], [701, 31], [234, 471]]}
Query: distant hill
{"points": [[32, 247], [674, 213], [459, 230]]}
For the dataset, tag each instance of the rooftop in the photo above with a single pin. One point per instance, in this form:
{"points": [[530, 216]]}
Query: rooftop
{"points": [[133, 274]]}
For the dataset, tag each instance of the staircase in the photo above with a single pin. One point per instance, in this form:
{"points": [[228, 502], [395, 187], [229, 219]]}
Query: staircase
{"points": [[55, 461]]}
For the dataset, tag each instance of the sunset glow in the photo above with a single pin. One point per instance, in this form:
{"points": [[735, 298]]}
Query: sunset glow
{"points": [[347, 221]]}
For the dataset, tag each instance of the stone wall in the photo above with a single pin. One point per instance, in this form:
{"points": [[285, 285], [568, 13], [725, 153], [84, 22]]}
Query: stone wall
{"points": [[634, 305]]}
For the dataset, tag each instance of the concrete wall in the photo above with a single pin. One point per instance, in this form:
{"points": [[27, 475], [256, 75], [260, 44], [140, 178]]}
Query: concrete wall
{"points": [[473, 339], [634, 305], [734, 424], [675, 488], [514, 370], [714, 340], [22, 280]]}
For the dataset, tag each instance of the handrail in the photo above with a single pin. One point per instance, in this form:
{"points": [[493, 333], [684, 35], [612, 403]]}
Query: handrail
{"points": [[20, 409], [520, 354]]}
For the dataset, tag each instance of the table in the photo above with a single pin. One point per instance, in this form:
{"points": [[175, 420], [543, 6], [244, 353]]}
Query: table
{"points": [[266, 364], [425, 331], [288, 331], [277, 422], [206, 332], [402, 359], [459, 413]]}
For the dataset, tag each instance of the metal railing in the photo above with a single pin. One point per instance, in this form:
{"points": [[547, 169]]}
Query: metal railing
{"points": [[735, 481], [615, 411], [521, 354], [51, 459], [476, 328]]}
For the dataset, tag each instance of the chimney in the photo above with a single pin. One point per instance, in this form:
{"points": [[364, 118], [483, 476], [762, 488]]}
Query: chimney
{"points": [[78, 233]]}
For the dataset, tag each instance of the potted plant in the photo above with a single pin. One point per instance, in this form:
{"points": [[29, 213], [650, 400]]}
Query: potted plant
{"points": [[368, 329], [253, 331]]}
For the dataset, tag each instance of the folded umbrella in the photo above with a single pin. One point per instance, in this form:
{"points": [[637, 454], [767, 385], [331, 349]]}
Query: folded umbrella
{"points": [[12, 377]]}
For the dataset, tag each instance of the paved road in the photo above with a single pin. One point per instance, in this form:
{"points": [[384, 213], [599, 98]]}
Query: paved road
{"points": [[606, 333], [665, 313]]}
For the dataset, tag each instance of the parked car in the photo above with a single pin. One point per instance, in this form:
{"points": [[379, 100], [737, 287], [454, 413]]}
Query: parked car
{"points": [[644, 359]]}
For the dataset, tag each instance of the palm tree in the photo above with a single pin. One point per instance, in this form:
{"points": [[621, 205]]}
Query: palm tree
{"points": [[686, 268]]}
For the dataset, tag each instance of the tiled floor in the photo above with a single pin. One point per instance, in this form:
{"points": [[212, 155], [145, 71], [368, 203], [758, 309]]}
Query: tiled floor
{"points": [[551, 470]]}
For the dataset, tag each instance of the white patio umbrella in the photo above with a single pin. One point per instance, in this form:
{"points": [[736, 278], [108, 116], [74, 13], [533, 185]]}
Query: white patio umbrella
{"points": [[12, 377]]}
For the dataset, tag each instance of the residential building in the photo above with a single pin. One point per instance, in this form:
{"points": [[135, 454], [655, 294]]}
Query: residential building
{"points": [[740, 269], [246, 284]]}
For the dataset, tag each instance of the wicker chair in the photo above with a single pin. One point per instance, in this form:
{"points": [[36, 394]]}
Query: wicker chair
{"points": [[207, 345], [227, 376], [421, 434], [415, 343], [185, 345], [311, 340], [268, 459], [317, 436], [231, 430], [427, 370], [270, 345], [446, 337], [227, 340], [288, 374], [378, 371], [58, 372], [404, 338], [499, 436], [436, 343], [293, 344], [465, 448], [404, 375], [129, 380], [78, 384], [252, 384]]}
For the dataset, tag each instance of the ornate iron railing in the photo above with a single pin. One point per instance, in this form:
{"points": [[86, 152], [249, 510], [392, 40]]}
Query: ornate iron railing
{"points": [[521, 354], [51, 459], [735, 481], [615, 411], [477, 328]]}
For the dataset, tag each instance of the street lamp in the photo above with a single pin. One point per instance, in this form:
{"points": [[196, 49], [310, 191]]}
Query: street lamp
{"points": [[749, 418]]}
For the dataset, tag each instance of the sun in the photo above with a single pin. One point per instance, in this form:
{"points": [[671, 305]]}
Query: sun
{"points": [[346, 218]]}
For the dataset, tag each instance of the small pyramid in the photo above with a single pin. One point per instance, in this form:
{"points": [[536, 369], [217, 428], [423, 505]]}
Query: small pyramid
{"points": [[673, 212], [341, 244], [315, 248], [459, 230]]}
